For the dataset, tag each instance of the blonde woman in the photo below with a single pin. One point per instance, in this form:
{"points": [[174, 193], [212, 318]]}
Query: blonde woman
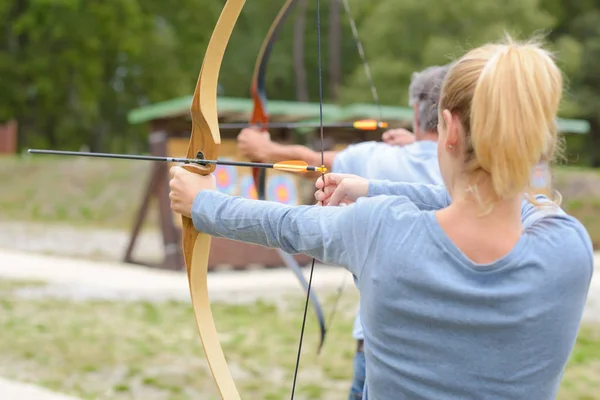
{"points": [[468, 293]]}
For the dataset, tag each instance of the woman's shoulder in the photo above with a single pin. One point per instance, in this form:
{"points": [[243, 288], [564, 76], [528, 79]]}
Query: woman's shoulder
{"points": [[397, 211], [401, 205], [561, 237]]}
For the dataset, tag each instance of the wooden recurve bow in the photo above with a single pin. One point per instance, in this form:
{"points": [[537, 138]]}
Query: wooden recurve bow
{"points": [[206, 138]]}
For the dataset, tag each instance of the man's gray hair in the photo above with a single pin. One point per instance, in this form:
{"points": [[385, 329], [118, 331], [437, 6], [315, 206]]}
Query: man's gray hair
{"points": [[424, 90]]}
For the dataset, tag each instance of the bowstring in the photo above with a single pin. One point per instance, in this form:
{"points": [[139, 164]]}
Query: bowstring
{"points": [[312, 267], [361, 52]]}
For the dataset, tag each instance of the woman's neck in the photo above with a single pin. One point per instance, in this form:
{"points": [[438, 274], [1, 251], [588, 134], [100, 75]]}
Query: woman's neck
{"points": [[479, 201], [483, 233]]}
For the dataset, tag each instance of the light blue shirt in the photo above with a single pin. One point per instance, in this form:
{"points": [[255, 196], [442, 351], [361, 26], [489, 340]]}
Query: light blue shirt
{"points": [[437, 326], [416, 162]]}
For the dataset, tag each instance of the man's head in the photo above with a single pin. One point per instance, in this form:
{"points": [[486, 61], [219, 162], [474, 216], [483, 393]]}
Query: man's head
{"points": [[424, 95]]}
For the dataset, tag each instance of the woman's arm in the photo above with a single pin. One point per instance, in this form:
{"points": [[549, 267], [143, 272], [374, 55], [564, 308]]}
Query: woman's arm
{"points": [[346, 189], [333, 235], [424, 196]]}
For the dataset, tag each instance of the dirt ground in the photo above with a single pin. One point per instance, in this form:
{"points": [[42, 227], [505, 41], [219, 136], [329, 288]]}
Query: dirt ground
{"points": [[96, 244]]}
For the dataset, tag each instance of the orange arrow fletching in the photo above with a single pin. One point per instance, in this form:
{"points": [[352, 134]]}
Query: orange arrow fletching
{"points": [[369, 124], [297, 166], [292, 166]]}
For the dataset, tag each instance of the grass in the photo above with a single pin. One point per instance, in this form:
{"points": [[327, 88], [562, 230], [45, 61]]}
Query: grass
{"points": [[580, 189], [582, 378], [142, 350], [77, 191]]}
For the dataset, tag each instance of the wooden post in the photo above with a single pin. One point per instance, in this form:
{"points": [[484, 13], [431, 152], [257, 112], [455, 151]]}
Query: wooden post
{"points": [[139, 220], [171, 234], [8, 137], [158, 187]]}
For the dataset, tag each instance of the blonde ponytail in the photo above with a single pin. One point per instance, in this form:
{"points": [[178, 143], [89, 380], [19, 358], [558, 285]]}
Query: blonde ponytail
{"points": [[507, 96]]}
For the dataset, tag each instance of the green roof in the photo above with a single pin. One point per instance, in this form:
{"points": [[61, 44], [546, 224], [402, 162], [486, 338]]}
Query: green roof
{"points": [[573, 125], [181, 107], [385, 113], [302, 111]]}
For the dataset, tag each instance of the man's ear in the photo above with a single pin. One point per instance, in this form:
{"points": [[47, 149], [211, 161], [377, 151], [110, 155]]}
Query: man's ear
{"points": [[416, 121]]}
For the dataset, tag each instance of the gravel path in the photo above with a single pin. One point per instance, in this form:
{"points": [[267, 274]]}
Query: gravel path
{"points": [[83, 279], [72, 241], [20, 391]]}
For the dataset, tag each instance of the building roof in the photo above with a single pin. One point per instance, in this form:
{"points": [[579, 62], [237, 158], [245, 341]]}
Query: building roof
{"points": [[282, 110]]}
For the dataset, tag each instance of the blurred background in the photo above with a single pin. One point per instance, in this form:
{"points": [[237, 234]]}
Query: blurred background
{"points": [[94, 301]]}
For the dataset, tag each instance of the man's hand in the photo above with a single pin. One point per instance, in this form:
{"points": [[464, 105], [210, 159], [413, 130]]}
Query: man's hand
{"points": [[340, 189], [398, 137], [185, 186], [253, 144]]}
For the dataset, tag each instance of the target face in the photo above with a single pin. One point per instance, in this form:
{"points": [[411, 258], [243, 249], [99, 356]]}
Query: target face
{"points": [[540, 176], [226, 177], [247, 188], [282, 189]]}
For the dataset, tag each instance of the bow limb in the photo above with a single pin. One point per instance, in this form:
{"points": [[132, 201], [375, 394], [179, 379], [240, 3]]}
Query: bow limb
{"points": [[258, 89], [206, 137], [261, 116], [291, 263]]}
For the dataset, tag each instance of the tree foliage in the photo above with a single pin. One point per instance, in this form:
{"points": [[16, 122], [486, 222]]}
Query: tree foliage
{"points": [[71, 69]]}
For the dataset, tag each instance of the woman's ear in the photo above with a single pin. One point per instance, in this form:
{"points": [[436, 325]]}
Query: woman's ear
{"points": [[452, 124]]}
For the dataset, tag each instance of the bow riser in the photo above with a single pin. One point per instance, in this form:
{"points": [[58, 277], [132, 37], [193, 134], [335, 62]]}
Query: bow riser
{"points": [[206, 137]]}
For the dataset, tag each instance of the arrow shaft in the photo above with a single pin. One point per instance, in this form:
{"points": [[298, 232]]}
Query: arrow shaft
{"points": [[280, 166], [107, 155], [289, 125]]}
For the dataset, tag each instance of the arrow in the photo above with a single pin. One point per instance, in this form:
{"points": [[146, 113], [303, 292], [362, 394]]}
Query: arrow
{"points": [[363, 125], [289, 166]]}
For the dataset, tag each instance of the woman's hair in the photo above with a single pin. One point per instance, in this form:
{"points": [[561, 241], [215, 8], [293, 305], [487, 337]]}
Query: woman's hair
{"points": [[506, 96]]}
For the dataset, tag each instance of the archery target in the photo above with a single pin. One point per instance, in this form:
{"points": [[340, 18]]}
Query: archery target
{"points": [[247, 188], [226, 177], [282, 189], [540, 176]]}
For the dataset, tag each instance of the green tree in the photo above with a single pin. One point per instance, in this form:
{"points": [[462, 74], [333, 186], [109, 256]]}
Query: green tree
{"points": [[407, 36], [577, 40], [72, 69]]}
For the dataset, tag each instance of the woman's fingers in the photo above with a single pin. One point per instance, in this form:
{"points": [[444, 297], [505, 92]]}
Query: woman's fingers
{"points": [[335, 189], [331, 179], [327, 185], [338, 196]]}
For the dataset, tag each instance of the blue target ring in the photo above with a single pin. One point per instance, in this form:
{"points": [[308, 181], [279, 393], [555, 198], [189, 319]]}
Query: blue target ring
{"points": [[226, 177], [282, 189]]}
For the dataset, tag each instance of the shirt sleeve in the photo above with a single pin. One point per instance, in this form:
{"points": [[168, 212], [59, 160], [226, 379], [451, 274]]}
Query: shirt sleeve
{"points": [[530, 213], [547, 211], [425, 197], [333, 235], [434, 197]]}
